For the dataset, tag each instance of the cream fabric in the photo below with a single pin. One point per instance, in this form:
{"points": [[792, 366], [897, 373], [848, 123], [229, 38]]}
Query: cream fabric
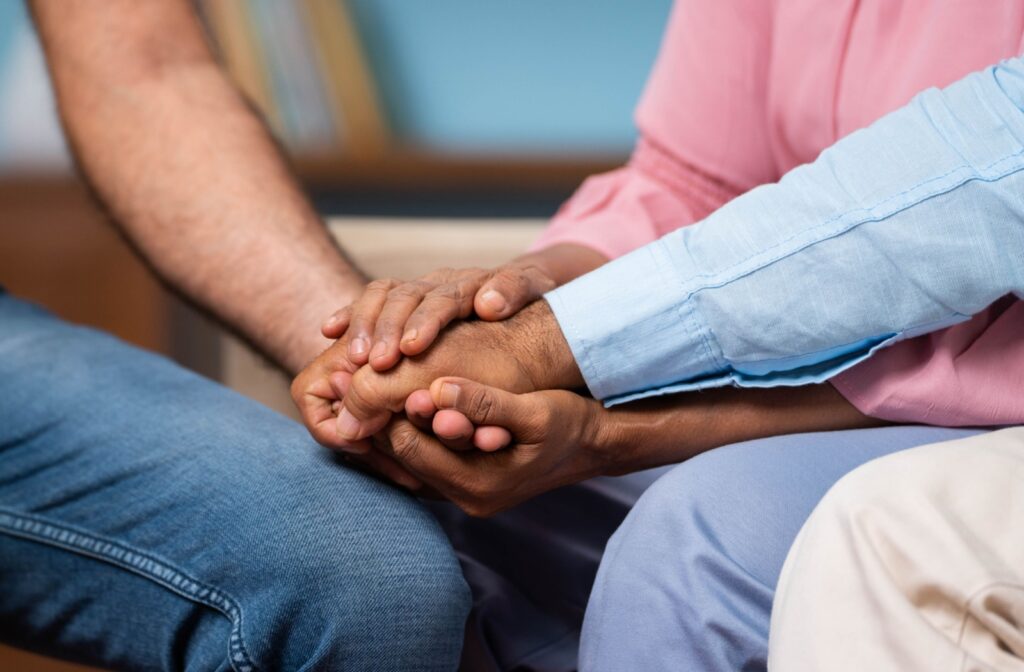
{"points": [[914, 561]]}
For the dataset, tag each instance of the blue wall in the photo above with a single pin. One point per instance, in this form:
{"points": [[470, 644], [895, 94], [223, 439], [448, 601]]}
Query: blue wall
{"points": [[529, 76], [13, 19]]}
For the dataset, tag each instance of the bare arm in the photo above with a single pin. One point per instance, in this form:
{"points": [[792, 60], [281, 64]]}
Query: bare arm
{"points": [[562, 438], [190, 173]]}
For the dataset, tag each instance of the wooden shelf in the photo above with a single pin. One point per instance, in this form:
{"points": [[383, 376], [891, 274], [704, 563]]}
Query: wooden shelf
{"points": [[420, 171], [397, 171]]}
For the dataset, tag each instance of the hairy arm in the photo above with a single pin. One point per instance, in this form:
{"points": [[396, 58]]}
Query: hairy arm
{"points": [[190, 173]]}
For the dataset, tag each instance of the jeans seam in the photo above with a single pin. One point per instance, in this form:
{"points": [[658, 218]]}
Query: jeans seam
{"points": [[146, 565]]}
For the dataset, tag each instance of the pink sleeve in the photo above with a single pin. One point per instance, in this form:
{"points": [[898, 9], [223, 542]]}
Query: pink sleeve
{"points": [[971, 374], [703, 133]]}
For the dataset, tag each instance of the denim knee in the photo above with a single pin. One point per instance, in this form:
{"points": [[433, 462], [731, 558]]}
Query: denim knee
{"points": [[398, 606], [315, 565]]}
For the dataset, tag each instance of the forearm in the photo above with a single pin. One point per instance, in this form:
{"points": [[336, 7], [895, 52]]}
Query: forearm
{"points": [[563, 262], [190, 173], [903, 228], [667, 430]]}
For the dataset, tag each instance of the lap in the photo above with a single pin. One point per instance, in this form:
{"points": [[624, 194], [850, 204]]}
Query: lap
{"points": [[688, 579], [120, 465], [940, 521]]}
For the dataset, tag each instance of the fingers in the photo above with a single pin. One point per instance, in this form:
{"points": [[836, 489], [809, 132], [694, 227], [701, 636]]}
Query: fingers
{"points": [[453, 429], [364, 318], [447, 302], [511, 288], [335, 325], [484, 405], [490, 438], [420, 409], [316, 396], [391, 328], [368, 405], [421, 454]]}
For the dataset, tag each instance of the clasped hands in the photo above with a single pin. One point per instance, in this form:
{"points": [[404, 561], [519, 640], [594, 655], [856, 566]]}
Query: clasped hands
{"points": [[477, 411]]}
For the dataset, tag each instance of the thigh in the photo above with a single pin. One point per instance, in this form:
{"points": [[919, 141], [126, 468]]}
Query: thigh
{"points": [[152, 519], [687, 581], [531, 569], [941, 521]]}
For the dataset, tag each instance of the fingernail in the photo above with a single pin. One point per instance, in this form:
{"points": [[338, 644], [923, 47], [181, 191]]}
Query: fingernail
{"points": [[410, 336], [358, 346], [449, 394], [379, 350], [331, 321], [494, 300], [348, 426]]}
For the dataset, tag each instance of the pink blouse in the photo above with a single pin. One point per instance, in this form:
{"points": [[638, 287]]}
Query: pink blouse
{"points": [[745, 90]]}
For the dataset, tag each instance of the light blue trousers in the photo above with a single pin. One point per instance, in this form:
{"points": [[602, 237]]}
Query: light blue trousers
{"points": [[686, 581]]}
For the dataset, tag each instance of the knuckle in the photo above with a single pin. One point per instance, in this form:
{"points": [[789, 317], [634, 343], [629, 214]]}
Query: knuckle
{"points": [[382, 285], [480, 406], [404, 442], [447, 292], [408, 290], [364, 391]]}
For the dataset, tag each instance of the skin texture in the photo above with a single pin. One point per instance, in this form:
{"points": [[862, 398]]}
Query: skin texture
{"points": [[560, 437], [554, 436], [394, 318], [527, 352], [189, 172]]}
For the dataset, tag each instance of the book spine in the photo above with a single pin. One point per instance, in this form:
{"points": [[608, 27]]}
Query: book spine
{"points": [[352, 93]]}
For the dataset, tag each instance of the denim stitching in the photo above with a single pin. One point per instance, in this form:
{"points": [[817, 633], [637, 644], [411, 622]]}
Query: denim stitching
{"points": [[975, 176], [160, 572]]}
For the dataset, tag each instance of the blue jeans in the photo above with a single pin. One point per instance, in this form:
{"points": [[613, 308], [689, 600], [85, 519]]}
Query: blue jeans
{"points": [[150, 519]]}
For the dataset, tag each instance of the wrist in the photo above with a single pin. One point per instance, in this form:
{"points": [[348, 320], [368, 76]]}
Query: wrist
{"points": [[545, 354], [564, 262]]}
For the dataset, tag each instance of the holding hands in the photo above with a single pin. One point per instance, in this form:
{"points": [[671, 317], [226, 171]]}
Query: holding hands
{"points": [[386, 390], [395, 318]]}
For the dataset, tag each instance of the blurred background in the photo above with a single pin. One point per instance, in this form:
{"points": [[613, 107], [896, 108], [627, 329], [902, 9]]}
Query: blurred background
{"points": [[427, 133]]}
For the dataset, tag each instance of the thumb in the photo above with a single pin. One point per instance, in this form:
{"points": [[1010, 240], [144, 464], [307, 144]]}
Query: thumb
{"points": [[509, 290], [483, 405]]}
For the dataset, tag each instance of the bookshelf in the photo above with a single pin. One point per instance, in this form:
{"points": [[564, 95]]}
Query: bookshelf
{"points": [[312, 81]]}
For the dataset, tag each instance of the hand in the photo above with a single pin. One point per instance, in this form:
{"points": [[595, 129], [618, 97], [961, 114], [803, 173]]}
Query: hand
{"points": [[452, 428], [555, 436], [394, 318], [522, 354]]}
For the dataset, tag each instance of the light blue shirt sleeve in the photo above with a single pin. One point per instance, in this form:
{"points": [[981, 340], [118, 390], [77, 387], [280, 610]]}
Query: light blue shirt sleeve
{"points": [[908, 226]]}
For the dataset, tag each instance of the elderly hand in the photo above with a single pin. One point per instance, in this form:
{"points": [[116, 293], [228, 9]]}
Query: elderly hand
{"points": [[522, 354], [556, 441], [394, 318]]}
